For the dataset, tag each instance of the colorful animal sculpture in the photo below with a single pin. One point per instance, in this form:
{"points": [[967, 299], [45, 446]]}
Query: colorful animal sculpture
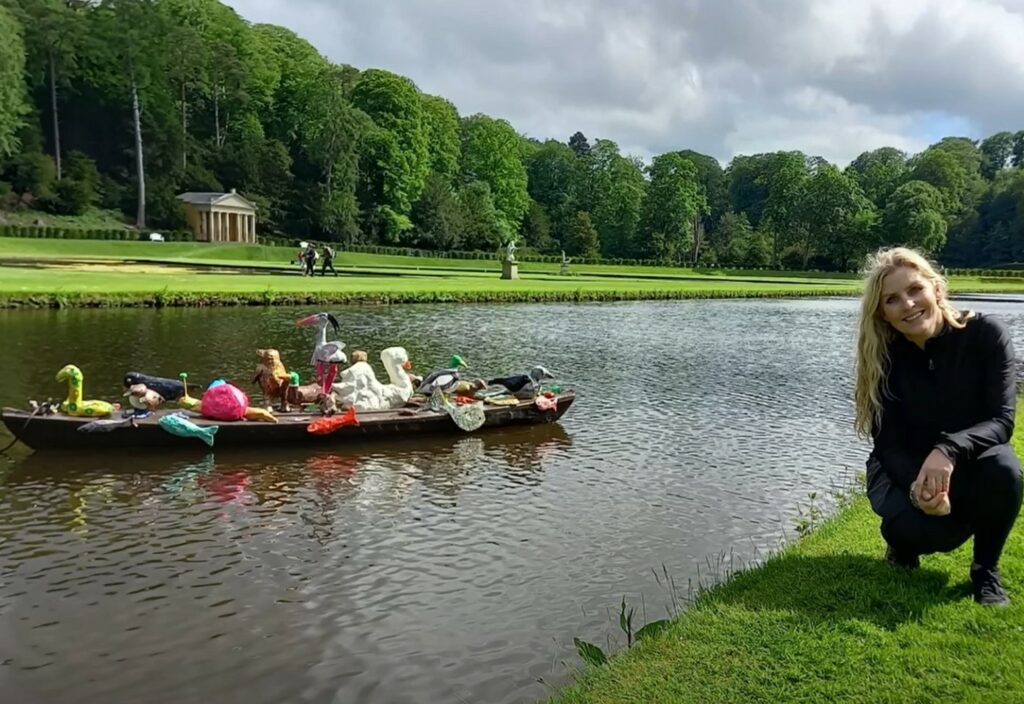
{"points": [[361, 390], [302, 394], [170, 389], [326, 425], [326, 355], [256, 413], [273, 378], [524, 385], [176, 424], [74, 405], [443, 380], [186, 401], [142, 398], [224, 402]]}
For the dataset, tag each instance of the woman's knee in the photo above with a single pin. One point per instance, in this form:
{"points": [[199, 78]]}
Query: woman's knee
{"points": [[914, 532], [999, 471]]}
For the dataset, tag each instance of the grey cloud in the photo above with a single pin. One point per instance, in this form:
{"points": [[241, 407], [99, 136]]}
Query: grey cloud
{"points": [[833, 77]]}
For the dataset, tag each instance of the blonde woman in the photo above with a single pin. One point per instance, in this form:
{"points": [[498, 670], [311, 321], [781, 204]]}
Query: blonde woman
{"points": [[936, 393]]}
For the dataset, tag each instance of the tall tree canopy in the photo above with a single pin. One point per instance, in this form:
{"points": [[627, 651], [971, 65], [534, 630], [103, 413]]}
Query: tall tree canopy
{"points": [[12, 86]]}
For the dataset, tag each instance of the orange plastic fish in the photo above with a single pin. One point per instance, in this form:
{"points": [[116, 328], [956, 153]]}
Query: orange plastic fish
{"points": [[328, 424]]}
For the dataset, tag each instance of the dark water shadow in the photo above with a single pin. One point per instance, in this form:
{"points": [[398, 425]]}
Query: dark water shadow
{"points": [[837, 588]]}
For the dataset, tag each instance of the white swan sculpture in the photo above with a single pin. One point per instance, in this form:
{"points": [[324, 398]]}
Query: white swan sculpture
{"points": [[359, 386]]}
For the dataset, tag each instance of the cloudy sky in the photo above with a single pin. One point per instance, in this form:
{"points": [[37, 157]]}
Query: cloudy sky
{"points": [[724, 77]]}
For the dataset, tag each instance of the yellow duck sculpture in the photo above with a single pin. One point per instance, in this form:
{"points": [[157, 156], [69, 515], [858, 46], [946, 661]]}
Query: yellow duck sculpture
{"points": [[73, 405]]}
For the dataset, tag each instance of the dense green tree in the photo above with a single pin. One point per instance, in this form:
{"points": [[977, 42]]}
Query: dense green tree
{"points": [[944, 171], [736, 244], [914, 216], [491, 154], [12, 86], [551, 182], [784, 176], [674, 199], [579, 144], [615, 188], [713, 186], [395, 106], [834, 219], [482, 225], [879, 172], [582, 240], [996, 152], [54, 32], [536, 228], [441, 122], [437, 216], [1017, 158]]}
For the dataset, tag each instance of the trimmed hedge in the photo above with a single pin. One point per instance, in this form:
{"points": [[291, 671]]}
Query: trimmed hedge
{"points": [[71, 233]]}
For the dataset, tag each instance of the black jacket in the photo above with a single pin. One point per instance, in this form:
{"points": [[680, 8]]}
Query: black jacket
{"points": [[958, 394]]}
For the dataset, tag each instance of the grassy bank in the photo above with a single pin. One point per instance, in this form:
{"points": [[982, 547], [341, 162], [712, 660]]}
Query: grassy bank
{"points": [[828, 620], [153, 285]]}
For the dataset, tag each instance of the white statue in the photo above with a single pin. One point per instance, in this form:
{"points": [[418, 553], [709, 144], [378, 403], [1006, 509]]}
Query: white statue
{"points": [[510, 250]]}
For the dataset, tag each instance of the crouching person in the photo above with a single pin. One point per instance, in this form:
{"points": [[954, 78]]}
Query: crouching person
{"points": [[936, 392]]}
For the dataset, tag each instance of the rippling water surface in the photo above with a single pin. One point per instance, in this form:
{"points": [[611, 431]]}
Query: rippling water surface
{"points": [[416, 570]]}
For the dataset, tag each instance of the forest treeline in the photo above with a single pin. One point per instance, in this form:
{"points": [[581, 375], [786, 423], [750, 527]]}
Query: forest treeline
{"points": [[124, 104]]}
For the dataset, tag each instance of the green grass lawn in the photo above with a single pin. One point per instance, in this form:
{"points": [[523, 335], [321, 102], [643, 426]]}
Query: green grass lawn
{"points": [[259, 255], [829, 621], [122, 284], [94, 272]]}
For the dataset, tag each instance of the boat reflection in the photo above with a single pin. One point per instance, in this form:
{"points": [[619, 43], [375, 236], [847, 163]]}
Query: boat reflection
{"points": [[271, 480]]}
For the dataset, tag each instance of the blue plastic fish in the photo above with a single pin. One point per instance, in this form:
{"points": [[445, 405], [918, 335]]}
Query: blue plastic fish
{"points": [[182, 427]]}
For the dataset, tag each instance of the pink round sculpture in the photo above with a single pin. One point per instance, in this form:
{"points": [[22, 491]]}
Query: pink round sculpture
{"points": [[224, 402]]}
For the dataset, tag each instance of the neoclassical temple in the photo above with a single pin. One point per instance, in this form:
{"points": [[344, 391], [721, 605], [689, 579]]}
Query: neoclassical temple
{"points": [[220, 217]]}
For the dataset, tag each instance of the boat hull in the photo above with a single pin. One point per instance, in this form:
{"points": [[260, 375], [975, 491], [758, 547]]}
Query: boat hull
{"points": [[60, 432]]}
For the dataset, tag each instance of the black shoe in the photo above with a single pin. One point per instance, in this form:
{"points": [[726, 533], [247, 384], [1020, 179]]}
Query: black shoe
{"points": [[988, 588], [910, 562]]}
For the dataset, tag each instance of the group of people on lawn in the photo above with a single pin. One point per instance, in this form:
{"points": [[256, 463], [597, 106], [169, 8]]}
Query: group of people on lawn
{"points": [[308, 255]]}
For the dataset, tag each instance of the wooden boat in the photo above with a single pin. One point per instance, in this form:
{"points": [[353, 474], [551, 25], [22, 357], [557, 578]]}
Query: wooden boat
{"points": [[60, 432]]}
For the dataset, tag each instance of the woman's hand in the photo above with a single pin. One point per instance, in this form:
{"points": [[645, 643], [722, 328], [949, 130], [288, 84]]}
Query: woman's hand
{"points": [[936, 504], [935, 473]]}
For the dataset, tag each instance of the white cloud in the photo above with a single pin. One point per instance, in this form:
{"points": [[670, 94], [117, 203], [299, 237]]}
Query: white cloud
{"points": [[828, 77]]}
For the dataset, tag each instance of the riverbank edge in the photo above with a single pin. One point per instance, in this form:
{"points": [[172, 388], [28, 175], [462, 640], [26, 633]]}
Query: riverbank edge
{"points": [[268, 297], [754, 618]]}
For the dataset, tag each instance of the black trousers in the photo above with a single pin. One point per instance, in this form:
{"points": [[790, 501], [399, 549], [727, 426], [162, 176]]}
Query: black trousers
{"points": [[984, 497], [323, 267]]}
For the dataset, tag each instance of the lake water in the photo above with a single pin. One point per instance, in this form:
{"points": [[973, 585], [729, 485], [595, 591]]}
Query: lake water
{"points": [[422, 570]]}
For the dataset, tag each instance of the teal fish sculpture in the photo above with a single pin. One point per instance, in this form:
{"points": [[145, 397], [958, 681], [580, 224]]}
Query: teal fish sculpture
{"points": [[184, 428]]}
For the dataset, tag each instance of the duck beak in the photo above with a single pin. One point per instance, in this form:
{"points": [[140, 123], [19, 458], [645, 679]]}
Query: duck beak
{"points": [[407, 365]]}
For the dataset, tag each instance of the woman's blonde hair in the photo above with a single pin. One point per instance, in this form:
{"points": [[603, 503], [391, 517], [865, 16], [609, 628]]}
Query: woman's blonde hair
{"points": [[876, 334]]}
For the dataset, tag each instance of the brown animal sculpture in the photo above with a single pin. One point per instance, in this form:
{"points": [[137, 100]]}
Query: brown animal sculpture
{"points": [[272, 378]]}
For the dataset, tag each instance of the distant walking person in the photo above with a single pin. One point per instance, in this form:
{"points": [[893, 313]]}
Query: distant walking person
{"points": [[309, 257], [936, 391], [328, 254]]}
